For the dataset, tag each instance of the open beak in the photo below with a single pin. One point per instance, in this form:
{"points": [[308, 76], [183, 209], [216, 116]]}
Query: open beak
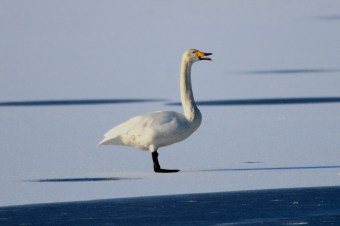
{"points": [[202, 56]]}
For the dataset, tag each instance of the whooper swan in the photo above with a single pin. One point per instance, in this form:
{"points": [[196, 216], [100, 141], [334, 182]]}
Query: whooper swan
{"points": [[158, 129]]}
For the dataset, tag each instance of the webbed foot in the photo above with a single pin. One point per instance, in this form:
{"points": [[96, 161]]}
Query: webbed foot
{"points": [[166, 170]]}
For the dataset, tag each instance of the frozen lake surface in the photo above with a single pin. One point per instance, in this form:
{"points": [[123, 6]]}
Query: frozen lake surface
{"points": [[71, 70], [304, 206]]}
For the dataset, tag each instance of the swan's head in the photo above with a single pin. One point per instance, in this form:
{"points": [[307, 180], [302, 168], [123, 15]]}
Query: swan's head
{"points": [[193, 55]]}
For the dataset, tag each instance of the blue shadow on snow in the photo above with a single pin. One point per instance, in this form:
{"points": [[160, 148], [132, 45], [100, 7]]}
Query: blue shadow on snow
{"points": [[272, 168], [292, 71], [267, 101], [86, 179], [34, 103], [329, 17]]}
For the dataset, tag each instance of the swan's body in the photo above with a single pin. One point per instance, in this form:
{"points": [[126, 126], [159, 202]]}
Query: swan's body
{"points": [[153, 130], [158, 129]]}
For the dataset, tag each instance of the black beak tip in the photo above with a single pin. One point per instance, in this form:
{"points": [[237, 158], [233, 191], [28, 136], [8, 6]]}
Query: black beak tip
{"points": [[204, 58]]}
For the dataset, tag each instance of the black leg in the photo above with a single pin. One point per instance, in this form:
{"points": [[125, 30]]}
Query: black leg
{"points": [[157, 168]]}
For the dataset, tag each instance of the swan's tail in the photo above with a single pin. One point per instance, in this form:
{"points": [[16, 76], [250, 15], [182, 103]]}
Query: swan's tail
{"points": [[103, 142], [110, 141]]}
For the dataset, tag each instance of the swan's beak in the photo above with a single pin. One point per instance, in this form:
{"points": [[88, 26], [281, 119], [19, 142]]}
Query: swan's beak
{"points": [[202, 56]]}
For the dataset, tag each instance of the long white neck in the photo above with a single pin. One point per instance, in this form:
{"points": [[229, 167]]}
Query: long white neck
{"points": [[191, 111]]}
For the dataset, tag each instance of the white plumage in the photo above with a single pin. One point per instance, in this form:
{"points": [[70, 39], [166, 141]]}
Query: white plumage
{"points": [[158, 129]]}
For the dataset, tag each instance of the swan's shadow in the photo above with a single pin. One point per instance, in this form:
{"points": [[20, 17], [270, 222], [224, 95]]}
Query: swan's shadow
{"points": [[270, 168], [85, 179], [36, 103]]}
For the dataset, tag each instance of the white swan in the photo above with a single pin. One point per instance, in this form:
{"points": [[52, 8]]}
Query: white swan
{"points": [[162, 128]]}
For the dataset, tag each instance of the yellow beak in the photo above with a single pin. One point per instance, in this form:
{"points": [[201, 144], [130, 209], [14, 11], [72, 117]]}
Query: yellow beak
{"points": [[202, 56]]}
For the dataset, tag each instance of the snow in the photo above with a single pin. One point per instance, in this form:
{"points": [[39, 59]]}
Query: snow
{"points": [[75, 51]]}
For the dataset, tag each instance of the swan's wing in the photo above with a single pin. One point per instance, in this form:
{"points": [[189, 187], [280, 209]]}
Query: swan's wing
{"points": [[113, 136], [159, 129], [170, 124], [142, 131]]}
